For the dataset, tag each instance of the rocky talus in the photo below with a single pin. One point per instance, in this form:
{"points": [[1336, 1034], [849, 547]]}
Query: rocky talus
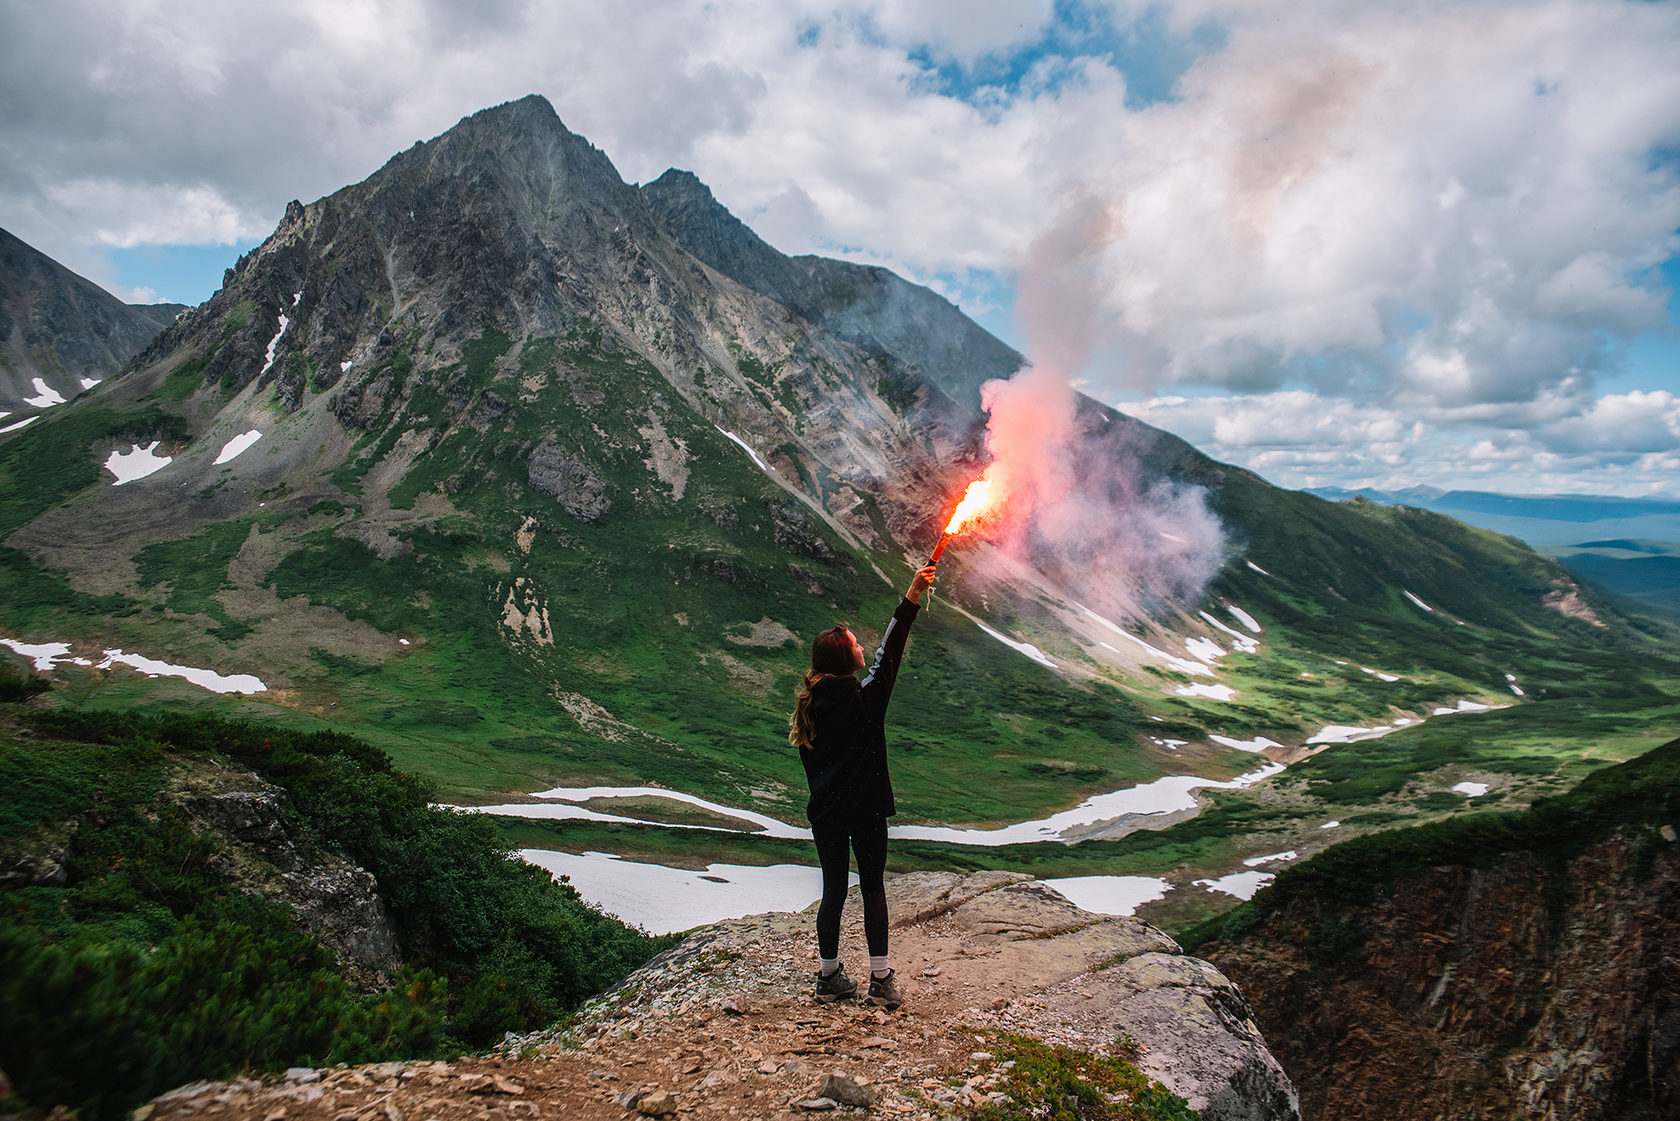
{"points": [[1513, 987], [723, 1025]]}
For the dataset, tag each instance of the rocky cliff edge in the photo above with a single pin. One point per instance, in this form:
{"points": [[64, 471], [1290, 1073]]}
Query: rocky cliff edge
{"points": [[722, 1025]]}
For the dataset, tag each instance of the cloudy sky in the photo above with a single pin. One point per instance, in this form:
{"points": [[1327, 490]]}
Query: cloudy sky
{"points": [[1342, 243]]}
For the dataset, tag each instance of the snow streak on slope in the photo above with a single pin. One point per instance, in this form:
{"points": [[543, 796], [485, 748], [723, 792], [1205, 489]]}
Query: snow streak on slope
{"points": [[1026, 648], [238, 444]]}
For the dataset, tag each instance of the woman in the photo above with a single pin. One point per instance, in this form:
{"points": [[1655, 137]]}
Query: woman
{"points": [[839, 726]]}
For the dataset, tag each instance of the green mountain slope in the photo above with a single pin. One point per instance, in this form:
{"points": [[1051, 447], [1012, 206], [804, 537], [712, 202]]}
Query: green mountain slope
{"points": [[555, 477]]}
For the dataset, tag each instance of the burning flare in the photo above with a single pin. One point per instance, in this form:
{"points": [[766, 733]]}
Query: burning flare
{"points": [[975, 502]]}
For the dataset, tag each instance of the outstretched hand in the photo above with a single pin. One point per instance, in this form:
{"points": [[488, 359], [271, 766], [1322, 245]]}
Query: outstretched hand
{"points": [[920, 583]]}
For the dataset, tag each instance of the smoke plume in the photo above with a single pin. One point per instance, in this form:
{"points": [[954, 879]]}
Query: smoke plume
{"points": [[1077, 495]]}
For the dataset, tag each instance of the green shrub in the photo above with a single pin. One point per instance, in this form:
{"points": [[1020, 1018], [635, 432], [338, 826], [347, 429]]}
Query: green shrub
{"points": [[142, 972], [1050, 1082], [15, 686]]}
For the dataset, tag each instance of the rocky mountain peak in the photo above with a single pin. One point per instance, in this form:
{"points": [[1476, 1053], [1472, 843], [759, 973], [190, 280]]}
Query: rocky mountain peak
{"points": [[59, 331], [924, 335], [524, 148], [707, 229]]}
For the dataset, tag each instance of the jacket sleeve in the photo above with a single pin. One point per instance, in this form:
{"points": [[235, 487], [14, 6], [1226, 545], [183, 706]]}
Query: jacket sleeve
{"points": [[883, 674]]}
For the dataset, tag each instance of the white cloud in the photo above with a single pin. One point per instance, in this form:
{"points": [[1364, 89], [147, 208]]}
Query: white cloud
{"points": [[131, 214], [1444, 213], [965, 30], [1617, 444], [1469, 183], [1636, 422]]}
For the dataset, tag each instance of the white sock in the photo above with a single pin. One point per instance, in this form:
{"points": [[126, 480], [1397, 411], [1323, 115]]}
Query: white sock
{"points": [[878, 966], [829, 965]]}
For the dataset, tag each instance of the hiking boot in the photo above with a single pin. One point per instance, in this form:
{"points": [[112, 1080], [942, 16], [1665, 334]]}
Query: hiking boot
{"points": [[835, 986], [884, 991]]}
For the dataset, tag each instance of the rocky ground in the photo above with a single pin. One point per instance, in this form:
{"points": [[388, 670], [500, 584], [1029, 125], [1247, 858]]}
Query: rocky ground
{"points": [[724, 1026]]}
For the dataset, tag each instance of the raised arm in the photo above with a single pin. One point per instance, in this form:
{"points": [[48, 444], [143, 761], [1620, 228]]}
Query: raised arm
{"points": [[883, 672]]}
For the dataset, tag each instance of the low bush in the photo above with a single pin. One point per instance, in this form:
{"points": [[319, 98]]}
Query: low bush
{"points": [[140, 971]]}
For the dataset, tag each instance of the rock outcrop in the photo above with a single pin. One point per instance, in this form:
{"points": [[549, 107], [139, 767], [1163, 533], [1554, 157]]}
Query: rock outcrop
{"points": [[335, 901], [723, 1025], [1513, 987]]}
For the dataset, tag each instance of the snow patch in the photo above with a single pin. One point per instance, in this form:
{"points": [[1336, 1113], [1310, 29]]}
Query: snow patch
{"points": [[268, 359], [203, 678], [1256, 568], [1180, 664], [1204, 649], [1511, 680], [137, 464], [46, 396], [1026, 648], [1256, 861], [746, 448], [1164, 795], [46, 655], [43, 654], [1342, 733], [89, 383], [665, 900], [14, 426], [1465, 705], [1211, 692], [1330, 825], [1243, 617], [239, 443], [1470, 789], [559, 805], [1245, 644], [1243, 885], [1418, 601], [1379, 675], [1258, 743], [1109, 895]]}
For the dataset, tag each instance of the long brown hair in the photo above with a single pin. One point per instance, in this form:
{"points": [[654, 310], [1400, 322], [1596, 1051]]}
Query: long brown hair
{"points": [[831, 656]]}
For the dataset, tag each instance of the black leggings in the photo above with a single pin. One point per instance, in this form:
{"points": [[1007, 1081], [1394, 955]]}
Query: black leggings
{"points": [[868, 840]]}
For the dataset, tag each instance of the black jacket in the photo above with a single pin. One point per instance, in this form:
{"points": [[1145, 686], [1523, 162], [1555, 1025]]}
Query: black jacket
{"points": [[846, 764]]}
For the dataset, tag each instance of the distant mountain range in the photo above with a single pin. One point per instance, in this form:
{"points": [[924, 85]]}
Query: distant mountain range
{"points": [[1630, 546], [59, 332]]}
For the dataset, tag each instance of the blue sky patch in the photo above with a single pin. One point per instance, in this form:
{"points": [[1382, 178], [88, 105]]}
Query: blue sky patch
{"points": [[178, 274]]}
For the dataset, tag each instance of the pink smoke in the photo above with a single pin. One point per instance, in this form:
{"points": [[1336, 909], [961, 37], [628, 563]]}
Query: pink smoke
{"points": [[1074, 496]]}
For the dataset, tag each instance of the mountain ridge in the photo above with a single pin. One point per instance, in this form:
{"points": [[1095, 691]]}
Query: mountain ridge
{"points": [[884, 314], [60, 331]]}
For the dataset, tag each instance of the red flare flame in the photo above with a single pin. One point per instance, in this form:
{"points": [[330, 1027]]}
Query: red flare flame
{"points": [[975, 502]]}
